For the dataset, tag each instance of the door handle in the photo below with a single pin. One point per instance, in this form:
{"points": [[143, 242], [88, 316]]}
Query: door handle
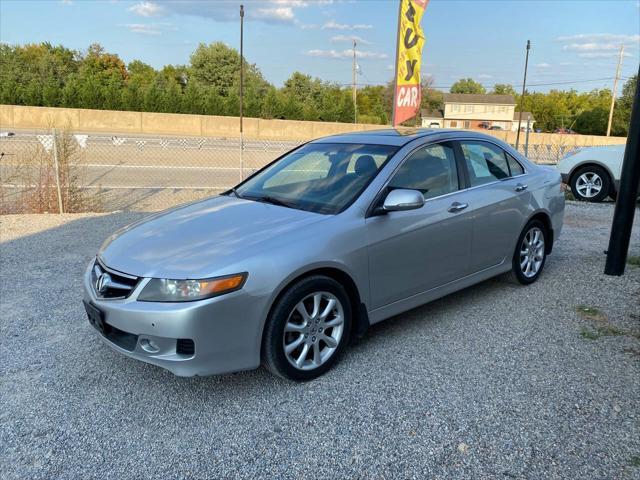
{"points": [[521, 187], [457, 207]]}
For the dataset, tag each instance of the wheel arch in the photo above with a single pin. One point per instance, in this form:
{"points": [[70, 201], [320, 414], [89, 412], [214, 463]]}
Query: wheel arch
{"points": [[340, 275]]}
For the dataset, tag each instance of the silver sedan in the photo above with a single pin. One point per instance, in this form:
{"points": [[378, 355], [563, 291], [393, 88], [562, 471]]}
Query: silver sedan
{"points": [[338, 234]]}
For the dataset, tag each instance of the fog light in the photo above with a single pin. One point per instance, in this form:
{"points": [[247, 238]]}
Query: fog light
{"points": [[149, 345]]}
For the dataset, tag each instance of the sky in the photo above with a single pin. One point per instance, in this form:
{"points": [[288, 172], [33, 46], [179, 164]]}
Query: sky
{"points": [[574, 44]]}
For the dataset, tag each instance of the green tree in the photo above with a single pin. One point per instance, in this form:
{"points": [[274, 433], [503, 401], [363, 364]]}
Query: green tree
{"points": [[467, 85], [503, 89], [141, 77], [217, 67], [100, 79], [35, 74], [623, 106]]}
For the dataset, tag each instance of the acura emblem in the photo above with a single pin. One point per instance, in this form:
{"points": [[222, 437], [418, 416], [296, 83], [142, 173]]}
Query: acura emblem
{"points": [[103, 282]]}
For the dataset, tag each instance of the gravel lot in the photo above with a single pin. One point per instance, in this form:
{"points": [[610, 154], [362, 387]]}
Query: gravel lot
{"points": [[496, 381]]}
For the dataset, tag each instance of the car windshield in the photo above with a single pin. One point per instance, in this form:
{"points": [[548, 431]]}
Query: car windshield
{"points": [[318, 177]]}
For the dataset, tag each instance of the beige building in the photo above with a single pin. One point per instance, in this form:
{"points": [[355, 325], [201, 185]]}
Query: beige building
{"points": [[463, 110], [526, 117]]}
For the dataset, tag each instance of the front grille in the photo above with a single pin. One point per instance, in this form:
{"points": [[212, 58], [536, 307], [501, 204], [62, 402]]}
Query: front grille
{"points": [[185, 346], [111, 284]]}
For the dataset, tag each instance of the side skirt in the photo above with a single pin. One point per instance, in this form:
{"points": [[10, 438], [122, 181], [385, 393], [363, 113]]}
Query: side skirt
{"points": [[419, 299]]}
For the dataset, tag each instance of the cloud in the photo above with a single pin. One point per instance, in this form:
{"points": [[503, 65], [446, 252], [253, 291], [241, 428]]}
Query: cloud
{"points": [[599, 45], [66, 2], [600, 37], [280, 14], [542, 65], [345, 54], [291, 3], [333, 25], [146, 9], [591, 46], [611, 54], [350, 38], [485, 76], [266, 11], [148, 28]]}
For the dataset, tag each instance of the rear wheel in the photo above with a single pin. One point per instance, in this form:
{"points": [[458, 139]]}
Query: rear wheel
{"points": [[530, 255], [308, 329], [590, 184]]}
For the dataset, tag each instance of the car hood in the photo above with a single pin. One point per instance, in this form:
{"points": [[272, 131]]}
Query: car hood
{"points": [[202, 239]]}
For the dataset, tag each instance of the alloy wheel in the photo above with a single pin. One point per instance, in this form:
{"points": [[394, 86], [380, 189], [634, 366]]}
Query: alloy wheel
{"points": [[532, 252], [589, 184], [313, 330]]}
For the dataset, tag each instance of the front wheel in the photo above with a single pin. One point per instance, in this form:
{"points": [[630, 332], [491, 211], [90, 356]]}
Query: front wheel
{"points": [[530, 255], [307, 329]]}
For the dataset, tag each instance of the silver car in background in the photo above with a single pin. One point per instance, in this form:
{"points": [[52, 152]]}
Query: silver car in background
{"points": [[338, 234], [593, 173]]}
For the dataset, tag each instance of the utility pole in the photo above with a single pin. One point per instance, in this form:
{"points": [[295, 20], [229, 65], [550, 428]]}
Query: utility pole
{"points": [[526, 138], [524, 84], [615, 88], [241, 92], [353, 82]]}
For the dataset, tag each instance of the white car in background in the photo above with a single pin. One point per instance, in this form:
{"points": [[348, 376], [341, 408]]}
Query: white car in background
{"points": [[593, 173]]}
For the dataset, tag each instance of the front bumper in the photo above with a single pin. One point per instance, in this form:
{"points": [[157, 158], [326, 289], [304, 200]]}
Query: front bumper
{"points": [[225, 330]]}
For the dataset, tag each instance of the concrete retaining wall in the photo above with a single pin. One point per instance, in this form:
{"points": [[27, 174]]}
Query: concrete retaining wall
{"points": [[108, 121]]}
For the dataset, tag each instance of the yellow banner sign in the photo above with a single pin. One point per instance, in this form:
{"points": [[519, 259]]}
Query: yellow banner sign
{"points": [[406, 102]]}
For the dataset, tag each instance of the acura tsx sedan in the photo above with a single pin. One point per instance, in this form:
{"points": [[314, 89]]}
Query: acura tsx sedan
{"points": [[335, 235]]}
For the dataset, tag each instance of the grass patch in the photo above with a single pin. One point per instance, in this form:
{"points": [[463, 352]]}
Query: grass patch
{"points": [[600, 326], [591, 313], [602, 331], [634, 260], [589, 334]]}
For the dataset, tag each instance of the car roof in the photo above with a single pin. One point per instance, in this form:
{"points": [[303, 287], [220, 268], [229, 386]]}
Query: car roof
{"points": [[387, 136], [398, 137]]}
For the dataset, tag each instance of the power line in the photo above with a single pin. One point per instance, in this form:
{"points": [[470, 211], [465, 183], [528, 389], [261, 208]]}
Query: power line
{"points": [[544, 84]]}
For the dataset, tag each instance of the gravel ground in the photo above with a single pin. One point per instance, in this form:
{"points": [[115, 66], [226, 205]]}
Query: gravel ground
{"points": [[496, 381]]}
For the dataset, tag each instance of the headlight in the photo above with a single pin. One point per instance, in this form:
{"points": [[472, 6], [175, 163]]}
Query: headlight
{"points": [[166, 290]]}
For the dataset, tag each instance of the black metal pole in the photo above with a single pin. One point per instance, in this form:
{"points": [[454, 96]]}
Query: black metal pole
{"points": [[524, 85], [241, 64], [627, 195]]}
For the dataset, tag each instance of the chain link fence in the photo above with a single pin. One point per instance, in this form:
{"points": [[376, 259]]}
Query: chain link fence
{"points": [[44, 171], [52, 171], [546, 154]]}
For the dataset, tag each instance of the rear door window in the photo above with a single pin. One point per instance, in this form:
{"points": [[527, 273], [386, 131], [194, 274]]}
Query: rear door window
{"points": [[485, 162], [514, 166]]}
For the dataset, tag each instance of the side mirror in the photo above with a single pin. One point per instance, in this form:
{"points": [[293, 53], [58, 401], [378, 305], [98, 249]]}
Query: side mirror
{"points": [[402, 199]]}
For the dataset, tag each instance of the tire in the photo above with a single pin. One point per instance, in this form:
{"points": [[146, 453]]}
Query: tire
{"points": [[524, 275], [316, 341], [590, 184]]}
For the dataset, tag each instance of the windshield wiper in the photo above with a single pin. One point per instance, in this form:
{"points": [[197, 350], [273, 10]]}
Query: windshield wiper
{"points": [[235, 192], [273, 201]]}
